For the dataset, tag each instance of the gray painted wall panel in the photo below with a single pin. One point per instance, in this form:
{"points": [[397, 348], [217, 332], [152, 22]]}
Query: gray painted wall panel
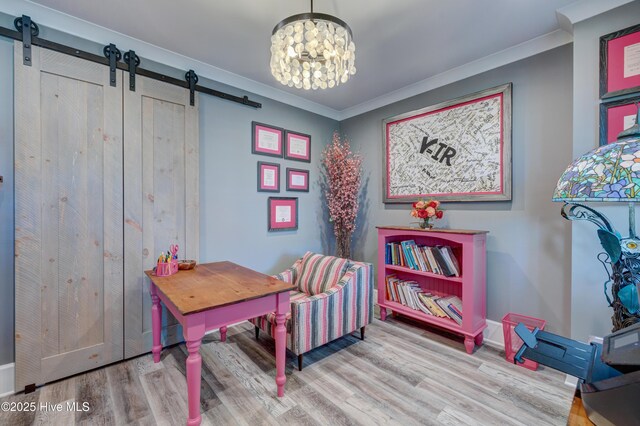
{"points": [[529, 244], [233, 215], [590, 315], [6, 202]]}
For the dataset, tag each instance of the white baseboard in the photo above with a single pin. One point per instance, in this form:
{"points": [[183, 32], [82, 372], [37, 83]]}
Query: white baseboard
{"points": [[571, 381], [7, 379], [493, 335]]}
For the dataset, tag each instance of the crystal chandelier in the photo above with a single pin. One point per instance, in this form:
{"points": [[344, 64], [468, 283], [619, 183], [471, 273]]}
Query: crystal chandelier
{"points": [[312, 51]]}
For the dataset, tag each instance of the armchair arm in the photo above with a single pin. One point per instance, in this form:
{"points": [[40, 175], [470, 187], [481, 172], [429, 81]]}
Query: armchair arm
{"points": [[342, 309], [289, 275]]}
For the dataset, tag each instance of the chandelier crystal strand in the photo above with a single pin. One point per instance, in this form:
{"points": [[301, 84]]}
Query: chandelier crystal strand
{"points": [[312, 52]]}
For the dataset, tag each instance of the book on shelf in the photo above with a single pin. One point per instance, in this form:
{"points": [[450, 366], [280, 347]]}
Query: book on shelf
{"points": [[439, 260], [409, 293], [450, 258], [442, 264], [446, 303]]}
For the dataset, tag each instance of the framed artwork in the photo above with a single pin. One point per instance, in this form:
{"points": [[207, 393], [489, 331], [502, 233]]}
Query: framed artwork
{"points": [[620, 62], [268, 177], [459, 150], [283, 213], [266, 139], [297, 180], [297, 146], [616, 117]]}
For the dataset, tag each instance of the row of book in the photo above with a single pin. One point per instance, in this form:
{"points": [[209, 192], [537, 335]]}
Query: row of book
{"points": [[436, 259], [410, 294]]}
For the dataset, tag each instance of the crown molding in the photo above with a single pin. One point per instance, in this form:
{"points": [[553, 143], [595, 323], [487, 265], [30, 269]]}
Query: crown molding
{"points": [[521, 51], [573, 13], [65, 23], [567, 17]]}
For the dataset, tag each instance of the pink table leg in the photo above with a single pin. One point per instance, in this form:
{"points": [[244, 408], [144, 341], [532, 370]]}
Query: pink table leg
{"points": [[282, 307], [193, 334], [156, 323], [223, 333]]}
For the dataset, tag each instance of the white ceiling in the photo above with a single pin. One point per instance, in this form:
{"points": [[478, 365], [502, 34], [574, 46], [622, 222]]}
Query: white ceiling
{"points": [[398, 43]]}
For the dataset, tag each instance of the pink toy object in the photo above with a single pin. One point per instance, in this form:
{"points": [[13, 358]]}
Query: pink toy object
{"points": [[512, 342]]}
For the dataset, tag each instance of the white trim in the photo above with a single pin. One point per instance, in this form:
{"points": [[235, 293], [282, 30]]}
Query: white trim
{"points": [[63, 22], [571, 381], [7, 379], [579, 11], [493, 335], [567, 16], [521, 51]]}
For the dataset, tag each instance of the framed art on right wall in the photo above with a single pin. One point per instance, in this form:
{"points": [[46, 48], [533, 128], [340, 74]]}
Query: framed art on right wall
{"points": [[615, 117], [620, 62]]}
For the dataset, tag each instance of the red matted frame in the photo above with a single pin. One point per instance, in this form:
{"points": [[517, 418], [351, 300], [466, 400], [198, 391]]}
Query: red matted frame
{"points": [[614, 116], [266, 139], [297, 180], [297, 146], [283, 213], [268, 177], [459, 150], [620, 62]]}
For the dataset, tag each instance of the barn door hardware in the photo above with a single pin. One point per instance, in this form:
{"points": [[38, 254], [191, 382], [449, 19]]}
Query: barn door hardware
{"points": [[192, 79], [113, 54], [20, 23], [31, 38], [133, 61]]}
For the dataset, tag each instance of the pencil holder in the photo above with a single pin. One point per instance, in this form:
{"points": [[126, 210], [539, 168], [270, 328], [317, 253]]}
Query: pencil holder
{"points": [[174, 266], [164, 270]]}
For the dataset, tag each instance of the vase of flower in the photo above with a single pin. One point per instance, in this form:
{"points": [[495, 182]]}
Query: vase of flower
{"points": [[427, 212], [425, 223]]}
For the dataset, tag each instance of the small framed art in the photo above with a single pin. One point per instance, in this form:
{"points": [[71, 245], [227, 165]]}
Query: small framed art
{"points": [[268, 177], [266, 139], [620, 62], [297, 146], [283, 213], [297, 180], [615, 117]]}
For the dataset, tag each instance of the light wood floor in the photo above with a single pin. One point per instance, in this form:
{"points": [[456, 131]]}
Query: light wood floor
{"points": [[402, 373]]}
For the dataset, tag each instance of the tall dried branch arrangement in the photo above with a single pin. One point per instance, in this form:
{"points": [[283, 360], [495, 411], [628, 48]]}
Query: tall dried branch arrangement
{"points": [[342, 169]]}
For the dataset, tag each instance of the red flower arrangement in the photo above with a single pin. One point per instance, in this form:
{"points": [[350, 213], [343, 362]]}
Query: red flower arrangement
{"points": [[426, 211]]}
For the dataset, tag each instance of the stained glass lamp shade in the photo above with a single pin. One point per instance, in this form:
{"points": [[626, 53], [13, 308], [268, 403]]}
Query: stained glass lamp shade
{"points": [[610, 173]]}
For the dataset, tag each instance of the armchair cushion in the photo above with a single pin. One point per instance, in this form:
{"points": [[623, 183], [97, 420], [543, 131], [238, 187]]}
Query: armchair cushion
{"points": [[318, 273]]}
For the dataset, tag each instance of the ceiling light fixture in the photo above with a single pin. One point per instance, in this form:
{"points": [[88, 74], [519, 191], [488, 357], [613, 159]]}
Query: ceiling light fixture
{"points": [[312, 51]]}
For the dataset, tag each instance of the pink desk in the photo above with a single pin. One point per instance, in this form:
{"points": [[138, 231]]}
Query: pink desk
{"points": [[209, 297]]}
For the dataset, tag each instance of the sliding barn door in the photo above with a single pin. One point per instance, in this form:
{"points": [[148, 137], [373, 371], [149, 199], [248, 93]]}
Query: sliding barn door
{"points": [[160, 197], [68, 217]]}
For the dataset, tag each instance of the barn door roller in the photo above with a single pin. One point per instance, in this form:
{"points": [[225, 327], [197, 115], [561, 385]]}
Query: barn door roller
{"points": [[20, 24]]}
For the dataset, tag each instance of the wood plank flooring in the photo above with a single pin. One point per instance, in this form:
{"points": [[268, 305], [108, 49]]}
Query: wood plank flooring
{"points": [[402, 374]]}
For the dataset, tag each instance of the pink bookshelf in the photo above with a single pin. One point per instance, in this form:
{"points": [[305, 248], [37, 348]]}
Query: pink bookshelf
{"points": [[469, 247]]}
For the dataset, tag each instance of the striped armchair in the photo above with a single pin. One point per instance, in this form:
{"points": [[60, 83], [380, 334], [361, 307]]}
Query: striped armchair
{"points": [[334, 298]]}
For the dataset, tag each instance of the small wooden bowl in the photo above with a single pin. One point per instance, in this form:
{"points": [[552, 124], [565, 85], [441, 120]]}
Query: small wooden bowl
{"points": [[184, 265]]}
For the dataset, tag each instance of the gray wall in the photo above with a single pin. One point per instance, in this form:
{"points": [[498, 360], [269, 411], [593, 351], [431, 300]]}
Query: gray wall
{"points": [[590, 314], [529, 244], [6, 202], [233, 215]]}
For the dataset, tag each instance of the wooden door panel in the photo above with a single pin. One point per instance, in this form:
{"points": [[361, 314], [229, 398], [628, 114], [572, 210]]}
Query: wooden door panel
{"points": [[69, 242], [161, 198]]}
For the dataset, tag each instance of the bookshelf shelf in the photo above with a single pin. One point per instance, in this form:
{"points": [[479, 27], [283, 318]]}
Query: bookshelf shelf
{"points": [[469, 248]]}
